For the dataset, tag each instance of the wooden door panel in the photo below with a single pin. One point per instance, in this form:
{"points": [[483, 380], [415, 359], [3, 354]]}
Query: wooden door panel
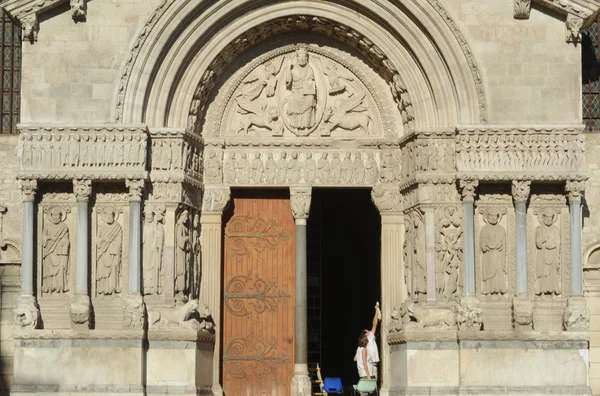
{"points": [[258, 298]]}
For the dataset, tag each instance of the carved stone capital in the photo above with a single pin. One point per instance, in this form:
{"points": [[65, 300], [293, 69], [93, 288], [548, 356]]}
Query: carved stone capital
{"points": [[577, 314], [134, 312], [469, 314], [522, 9], [522, 313], [215, 198], [574, 189], [78, 9], [300, 199], [387, 198], [574, 24], [27, 311], [136, 188], [28, 189], [467, 190], [521, 190], [80, 309], [82, 189]]}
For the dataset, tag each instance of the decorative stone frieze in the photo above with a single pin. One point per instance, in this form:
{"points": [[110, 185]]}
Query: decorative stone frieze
{"points": [[83, 152], [522, 9], [176, 154], [520, 152], [300, 200]]}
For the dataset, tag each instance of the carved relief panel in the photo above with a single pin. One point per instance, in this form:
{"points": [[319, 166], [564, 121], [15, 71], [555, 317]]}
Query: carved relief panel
{"points": [[153, 245], [449, 252], [414, 255], [494, 245]]}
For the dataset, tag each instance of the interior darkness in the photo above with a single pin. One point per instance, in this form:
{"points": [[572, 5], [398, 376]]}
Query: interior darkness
{"points": [[344, 239]]}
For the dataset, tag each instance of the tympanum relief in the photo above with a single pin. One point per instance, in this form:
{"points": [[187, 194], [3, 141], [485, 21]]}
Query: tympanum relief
{"points": [[301, 92]]}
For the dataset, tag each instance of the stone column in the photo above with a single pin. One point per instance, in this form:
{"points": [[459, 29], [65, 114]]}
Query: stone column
{"points": [[430, 256], [80, 302], [134, 303], [469, 313], [522, 305], [393, 288], [26, 310], [300, 200], [214, 202], [577, 315]]}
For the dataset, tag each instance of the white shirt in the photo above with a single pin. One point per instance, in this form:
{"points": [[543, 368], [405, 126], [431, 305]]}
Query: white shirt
{"points": [[372, 350], [360, 364]]}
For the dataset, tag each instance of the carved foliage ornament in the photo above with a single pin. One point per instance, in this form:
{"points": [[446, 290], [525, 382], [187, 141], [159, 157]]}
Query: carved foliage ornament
{"points": [[467, 190], [522, 9], [300, 201], [520, 190], [574, 189], [28, 189], [136, 188]]}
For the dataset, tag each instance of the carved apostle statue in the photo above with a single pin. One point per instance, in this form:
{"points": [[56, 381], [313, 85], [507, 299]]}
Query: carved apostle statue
{"points": [[493, 248], [110, 252], [547, 262], [56, 248], [302, 100], [182, 253]]}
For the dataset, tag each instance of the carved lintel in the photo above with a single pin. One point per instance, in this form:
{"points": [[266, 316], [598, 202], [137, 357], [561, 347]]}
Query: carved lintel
{"points": [[82, 189], [28, 189], [574, 189], [78, 9], [520, 190], [215, 198], [27, 311], [577, 315], [469, 314], [522, 9], [522, 313], [300, 199], [467, 190], [80, 309], [574, 24], [136, 188], [387, 198], [134, 312]]}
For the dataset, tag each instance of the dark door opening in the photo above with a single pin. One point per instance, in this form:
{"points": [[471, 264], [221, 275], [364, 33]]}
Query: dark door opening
{"points": [[344, 277]]}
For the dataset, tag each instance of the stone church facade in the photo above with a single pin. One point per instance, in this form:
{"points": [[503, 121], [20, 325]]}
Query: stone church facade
{"points": [[142, 121]]}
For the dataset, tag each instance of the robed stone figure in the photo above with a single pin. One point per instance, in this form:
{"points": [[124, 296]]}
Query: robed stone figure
{"points": [[547, 262], [493, 247], [110, 253], [55, 253], [182, 253], [302, 100]]}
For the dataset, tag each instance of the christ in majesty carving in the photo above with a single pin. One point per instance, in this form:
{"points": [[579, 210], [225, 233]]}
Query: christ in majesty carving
{"points": [[302, 101]]}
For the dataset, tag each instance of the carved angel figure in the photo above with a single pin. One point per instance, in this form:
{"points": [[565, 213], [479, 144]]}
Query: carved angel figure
{"points": [[493, 248], [348, 114], [110, 245], [56, 250], [264, 76], [547, 261], [336, 76]]}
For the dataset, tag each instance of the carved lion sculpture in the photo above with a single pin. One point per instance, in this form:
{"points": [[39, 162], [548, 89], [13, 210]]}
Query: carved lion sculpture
{"points": [[436, 318], [183, 316], [26, 315]]}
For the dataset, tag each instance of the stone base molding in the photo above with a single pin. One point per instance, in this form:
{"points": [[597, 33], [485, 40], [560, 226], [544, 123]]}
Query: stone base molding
{"points": [[301, 384]]}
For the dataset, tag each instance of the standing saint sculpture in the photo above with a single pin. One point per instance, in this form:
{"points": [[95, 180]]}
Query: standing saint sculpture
{"points": [[302, 100], [182, 253], [493, 247], [56, 247], [148, 243], [110, 252], [547, 261]]}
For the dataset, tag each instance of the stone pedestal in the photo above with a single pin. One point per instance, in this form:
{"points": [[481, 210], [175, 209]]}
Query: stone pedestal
{"points": [[179, 362], [74, 363], [486, 363]]}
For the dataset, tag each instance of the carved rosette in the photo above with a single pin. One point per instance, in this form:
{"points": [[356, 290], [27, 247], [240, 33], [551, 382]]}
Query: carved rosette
{"points": [[134, 312], [27, 312], [82, 189], [520, 190], [577, 315], [467, 190], [28, 189], [80, 309], [300, 200], [136, 188], [522, 9], [574, 189], [215, 198]]}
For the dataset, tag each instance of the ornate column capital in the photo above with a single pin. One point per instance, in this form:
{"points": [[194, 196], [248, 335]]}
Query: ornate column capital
{"points": [[82, 189], [387, 198], [300, 198], [521, 190], [522, 9], [215, 198], [28, 189], [136, 187], [574, 189], [467, 190]]}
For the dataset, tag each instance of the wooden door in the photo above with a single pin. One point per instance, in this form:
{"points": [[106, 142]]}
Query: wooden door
{"points": [[258, 298]]}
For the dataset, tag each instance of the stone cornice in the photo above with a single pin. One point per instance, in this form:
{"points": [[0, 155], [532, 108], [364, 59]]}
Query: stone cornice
{"points": [[25, 13], [584, 9]]}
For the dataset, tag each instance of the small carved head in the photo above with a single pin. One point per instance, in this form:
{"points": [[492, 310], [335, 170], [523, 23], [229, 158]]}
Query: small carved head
{"points": [[283, 155], [493, 215], [273, 113], [56, 214], [325, 155], [357, 155], [336, 154], [183, 217], [148, 214], [159, 214], [294, 155], [302, 56], [347, 155], [196, 220], [270, 155], [547, 216], [109, 214], [308, 155], [257, 155]]}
